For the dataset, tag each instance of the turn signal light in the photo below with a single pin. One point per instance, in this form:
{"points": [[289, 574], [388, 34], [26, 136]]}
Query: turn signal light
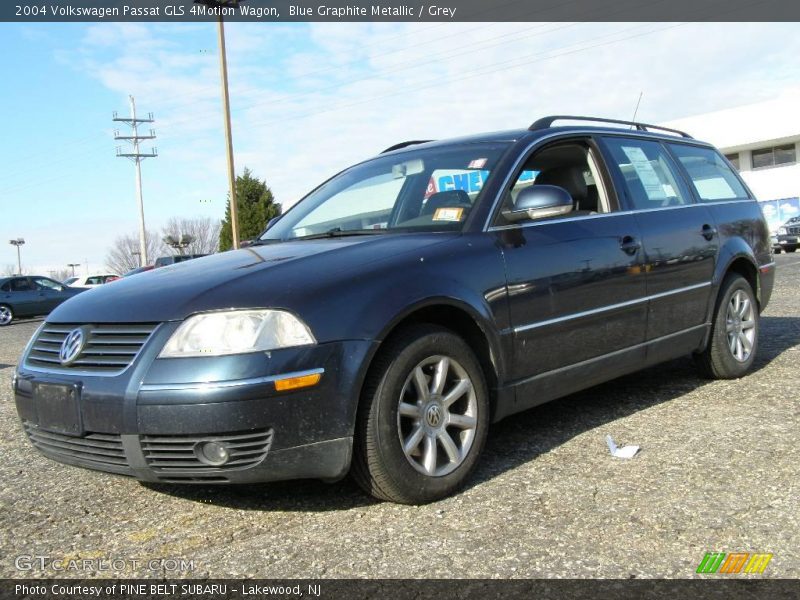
{"points": [[294, 383]]}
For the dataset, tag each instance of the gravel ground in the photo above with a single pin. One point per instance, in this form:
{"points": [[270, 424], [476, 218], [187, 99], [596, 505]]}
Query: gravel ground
{"points": [[719, 470]]}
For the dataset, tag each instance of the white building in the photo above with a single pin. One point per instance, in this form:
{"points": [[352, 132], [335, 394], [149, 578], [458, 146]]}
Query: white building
{"points": [[763, 141]]}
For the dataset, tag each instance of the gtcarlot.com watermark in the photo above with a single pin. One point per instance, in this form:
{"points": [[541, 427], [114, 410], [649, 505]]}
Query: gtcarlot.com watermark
{"points": [[36, 562]]}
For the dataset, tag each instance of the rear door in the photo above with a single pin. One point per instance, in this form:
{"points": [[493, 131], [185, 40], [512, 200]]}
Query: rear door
{"points": [[21, 295], [680, 237]]}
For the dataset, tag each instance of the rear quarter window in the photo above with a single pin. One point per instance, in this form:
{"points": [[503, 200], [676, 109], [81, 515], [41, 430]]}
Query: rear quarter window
{"points": [[713, 179]]}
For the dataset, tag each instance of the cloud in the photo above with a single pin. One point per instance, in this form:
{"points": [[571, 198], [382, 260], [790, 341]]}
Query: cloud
{"points": [[310, 99]]}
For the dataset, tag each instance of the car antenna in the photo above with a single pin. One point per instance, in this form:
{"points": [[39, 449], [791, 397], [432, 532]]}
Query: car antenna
{"points": [[636, 110]]}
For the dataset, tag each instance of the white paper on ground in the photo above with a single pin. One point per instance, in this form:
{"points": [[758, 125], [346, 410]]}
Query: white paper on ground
{"points": [[624, 452]]}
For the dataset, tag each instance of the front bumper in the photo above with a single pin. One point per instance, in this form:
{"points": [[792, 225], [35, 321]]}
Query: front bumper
{"points": [[782, 241], [148, 421]]}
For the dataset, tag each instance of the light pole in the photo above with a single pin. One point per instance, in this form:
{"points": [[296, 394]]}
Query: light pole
{"points": [[73, 265], [223, 72], [18, 242], [179, 244]]}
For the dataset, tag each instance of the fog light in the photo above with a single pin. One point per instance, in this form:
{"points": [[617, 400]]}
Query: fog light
{"points": [[211, 453]]}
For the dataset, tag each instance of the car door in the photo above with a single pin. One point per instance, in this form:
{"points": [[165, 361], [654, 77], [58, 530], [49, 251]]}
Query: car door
{"points": [[51, 294], [680, 240], [576, 284], [21, 295]]}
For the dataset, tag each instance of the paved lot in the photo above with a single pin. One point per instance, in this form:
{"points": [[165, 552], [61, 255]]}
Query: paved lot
{"points": [[719, 471]]}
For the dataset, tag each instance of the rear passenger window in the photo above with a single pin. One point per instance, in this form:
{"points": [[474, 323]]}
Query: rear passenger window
{"points": [[712, 177], [650, 176]]}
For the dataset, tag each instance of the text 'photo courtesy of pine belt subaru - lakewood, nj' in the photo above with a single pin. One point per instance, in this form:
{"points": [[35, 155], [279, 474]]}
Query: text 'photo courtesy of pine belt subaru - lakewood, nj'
{"points": [[383, 322]]}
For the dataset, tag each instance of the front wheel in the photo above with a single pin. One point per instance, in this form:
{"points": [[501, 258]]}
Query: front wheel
{"points": [[733, 343], [6, 315], [423, 417]]}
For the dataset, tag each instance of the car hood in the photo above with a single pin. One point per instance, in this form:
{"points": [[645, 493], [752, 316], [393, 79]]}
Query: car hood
{"points": [[257, 276]]}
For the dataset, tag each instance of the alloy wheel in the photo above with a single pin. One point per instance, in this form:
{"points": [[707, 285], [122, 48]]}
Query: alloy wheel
{"points": [[437, 416], [740, 326], [5, 315]]}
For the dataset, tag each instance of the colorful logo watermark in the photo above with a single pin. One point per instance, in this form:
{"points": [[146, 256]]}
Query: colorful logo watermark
{"points": [[734, 562]]}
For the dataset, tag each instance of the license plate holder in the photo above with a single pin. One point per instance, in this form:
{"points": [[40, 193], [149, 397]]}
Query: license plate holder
{"points": [[58, 407]]}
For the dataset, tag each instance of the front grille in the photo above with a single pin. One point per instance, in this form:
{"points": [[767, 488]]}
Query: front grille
{"points": [[109, 348], [173, 456], [100, 450]]}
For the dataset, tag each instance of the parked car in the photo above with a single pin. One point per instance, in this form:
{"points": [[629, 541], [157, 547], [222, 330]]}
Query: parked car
{"points": [[30, 297], [90, 281], [787, 237], [384, 321], [139, 270], [163, 261]]}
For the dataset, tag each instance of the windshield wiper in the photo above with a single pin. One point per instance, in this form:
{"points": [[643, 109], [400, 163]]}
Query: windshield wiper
{"points": [[331, 233], [338, 232]]}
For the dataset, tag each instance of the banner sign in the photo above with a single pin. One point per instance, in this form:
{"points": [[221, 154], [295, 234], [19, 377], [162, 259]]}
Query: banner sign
{"points": [[399, 10]]}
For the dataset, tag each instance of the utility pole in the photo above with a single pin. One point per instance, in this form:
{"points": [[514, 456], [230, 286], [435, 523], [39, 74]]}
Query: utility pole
{"points": [[226, 108], [137, 157], [18, 242]]}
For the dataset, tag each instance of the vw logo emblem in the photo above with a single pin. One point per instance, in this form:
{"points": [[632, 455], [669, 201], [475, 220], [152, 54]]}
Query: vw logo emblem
{"points": [[71, 346], [433, 415]]}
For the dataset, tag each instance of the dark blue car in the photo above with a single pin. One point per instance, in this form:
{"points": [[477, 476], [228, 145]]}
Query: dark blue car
{"points": [[31, 297], [383, 322]]}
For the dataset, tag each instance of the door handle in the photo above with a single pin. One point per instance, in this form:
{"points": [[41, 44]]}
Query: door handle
{"points": [[629, 244], [708, 232]]}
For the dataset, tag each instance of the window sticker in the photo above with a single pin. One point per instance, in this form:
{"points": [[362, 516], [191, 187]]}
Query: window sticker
{"points": [[478, 163], [647, 174], [448, 214]]}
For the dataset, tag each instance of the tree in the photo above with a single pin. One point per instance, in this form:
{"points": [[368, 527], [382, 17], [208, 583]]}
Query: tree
{"points": [[204, 231], [10, 269], [124, 254], [255, 206], [61, 274]]}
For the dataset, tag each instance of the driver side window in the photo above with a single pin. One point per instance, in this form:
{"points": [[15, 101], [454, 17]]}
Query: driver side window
{"points": [[569, 166], [47, 284]]}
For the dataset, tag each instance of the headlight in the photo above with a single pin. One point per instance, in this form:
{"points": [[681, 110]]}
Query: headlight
{"points": [[237, 332], [782, 231]]}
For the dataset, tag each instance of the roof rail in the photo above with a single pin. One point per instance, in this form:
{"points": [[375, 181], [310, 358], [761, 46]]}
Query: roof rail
{"points": [[404, 144], [546, 122]]}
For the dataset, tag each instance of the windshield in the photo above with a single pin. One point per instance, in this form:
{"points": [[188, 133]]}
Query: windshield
{"points": [[430, 189]]}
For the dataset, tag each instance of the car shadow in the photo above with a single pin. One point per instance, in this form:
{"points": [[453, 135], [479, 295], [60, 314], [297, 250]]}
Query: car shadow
{"points": [[23, 321], [512, 442]]}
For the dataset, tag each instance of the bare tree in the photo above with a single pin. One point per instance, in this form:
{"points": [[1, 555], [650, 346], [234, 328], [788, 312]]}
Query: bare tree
{"points": [[61, 274], [10, 269], [124, 254], [204, 233]]}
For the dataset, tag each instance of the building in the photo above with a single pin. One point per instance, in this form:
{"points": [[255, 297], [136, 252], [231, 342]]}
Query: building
{"points": [[763, 141]]}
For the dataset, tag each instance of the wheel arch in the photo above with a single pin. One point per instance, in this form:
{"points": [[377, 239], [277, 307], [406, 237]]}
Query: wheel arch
{"points": [[463, 320], [742, 262]]}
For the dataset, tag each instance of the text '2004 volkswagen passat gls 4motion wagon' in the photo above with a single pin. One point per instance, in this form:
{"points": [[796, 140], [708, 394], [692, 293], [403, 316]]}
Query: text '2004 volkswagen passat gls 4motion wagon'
{"points": [[383, 322]]}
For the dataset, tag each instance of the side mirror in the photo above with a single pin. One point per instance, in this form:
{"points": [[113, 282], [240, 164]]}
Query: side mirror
{"points": [[271, 222], [539, 201]]}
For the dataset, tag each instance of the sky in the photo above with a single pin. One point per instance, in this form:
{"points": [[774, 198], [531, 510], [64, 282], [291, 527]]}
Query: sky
{"points": [[309, 99]]}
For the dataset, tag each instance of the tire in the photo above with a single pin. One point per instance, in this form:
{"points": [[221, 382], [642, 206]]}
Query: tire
{"points": [[6, 315], [777, 250], [791, 248], [405, 373], [736, 325]]}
